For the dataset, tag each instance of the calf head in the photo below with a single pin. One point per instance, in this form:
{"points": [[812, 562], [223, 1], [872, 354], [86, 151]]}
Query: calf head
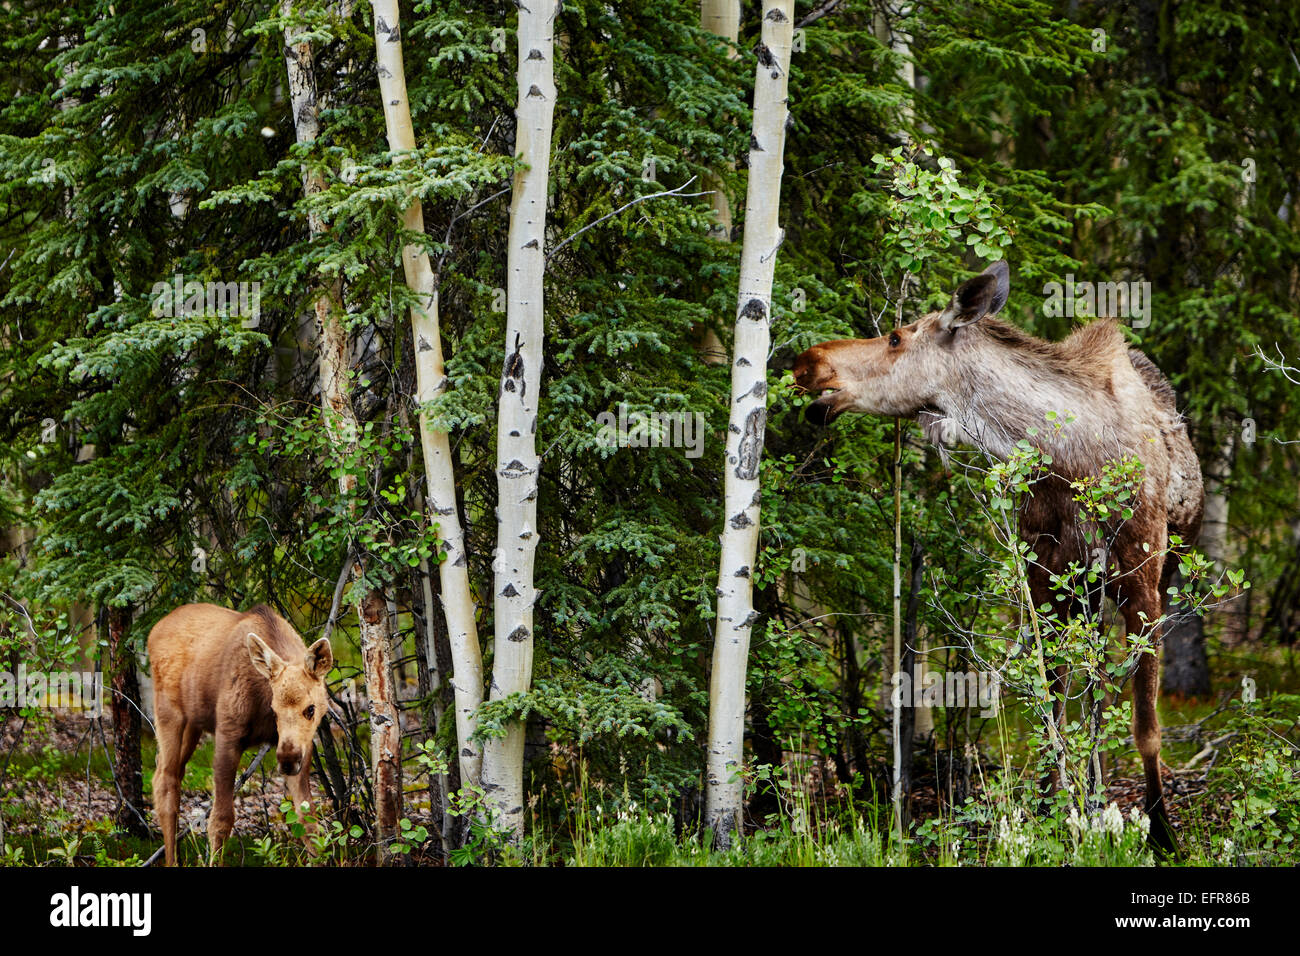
{"points": [[910, 369], [298, 697]]}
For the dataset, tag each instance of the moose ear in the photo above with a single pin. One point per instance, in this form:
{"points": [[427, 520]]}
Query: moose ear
{"points": [[319, 660], [975, 298], [265, 661]]}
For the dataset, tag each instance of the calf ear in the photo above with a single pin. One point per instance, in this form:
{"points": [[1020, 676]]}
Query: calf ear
{"points": [[319, 660], [265, 661], [975, 298]]}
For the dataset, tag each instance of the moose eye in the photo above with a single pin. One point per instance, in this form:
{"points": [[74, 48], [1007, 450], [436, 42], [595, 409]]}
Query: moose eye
{"points": [[894, 340], [310, 712]]}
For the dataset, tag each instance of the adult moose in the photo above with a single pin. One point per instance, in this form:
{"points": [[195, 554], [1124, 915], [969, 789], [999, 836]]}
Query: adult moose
{"points": [[246, 678], [971, 378]]}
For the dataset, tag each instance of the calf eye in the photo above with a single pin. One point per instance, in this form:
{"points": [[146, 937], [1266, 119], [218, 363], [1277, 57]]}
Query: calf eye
{"points": [[310, 712], [894, 340]]}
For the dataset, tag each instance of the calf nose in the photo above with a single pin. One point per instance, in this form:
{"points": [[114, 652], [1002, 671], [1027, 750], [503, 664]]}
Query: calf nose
{"points": [[290, 767]]}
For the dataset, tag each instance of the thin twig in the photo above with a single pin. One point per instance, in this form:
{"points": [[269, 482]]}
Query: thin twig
{"points": [[826, 8], [676, 191], [332, 621]]}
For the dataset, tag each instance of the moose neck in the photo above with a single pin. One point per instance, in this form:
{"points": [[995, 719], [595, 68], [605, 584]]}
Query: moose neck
{"points": [[1003, 393]]}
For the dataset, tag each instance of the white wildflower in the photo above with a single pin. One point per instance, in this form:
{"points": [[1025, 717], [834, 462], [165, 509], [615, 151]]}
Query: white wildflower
{"points": [[1113, 820], [1141, 821], [1075, 823]]}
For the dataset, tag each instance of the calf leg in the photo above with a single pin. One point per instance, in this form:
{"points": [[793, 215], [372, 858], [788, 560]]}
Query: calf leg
{"points": [[299, 787], [166, 777], [225, 761]]}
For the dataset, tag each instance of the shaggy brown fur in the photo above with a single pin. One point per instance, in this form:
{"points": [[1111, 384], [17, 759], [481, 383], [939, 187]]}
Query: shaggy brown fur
{"points": [[971, 378], [246, 678]]}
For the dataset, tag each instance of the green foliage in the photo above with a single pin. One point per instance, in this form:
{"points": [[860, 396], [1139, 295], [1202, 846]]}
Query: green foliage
{"points": [[160, 460]]}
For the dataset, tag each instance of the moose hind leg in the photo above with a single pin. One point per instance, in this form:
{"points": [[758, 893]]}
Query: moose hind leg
{"points": [[1146, 734], [166, 778], [1146, 720]]}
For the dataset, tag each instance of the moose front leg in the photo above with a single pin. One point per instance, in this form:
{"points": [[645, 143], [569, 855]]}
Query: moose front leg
{"points": [[299, 787], [225, 761], [1042, 595]]}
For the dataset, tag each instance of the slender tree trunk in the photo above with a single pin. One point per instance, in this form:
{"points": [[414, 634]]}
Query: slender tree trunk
{"points": [[341, 425], [430, 382], [746, 430], [1187, 671], [720, 17], [125, 710], [517, 462], [436, 655], [914, 667]]}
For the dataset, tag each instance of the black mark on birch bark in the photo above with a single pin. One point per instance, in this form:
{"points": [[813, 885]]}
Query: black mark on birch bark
{"points": [[754, 309], [513, 370], [518, 634], [751, 444]]}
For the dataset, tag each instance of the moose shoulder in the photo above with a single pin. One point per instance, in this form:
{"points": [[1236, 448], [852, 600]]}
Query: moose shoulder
{"points": [[248, 679], [969, 377]]}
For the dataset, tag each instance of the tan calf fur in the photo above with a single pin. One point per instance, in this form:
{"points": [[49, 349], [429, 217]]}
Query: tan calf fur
{"points": [[248, 679]]}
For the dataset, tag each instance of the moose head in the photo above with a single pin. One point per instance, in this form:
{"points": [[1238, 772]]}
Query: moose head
{"points": [[298, 697], [910, 370]]}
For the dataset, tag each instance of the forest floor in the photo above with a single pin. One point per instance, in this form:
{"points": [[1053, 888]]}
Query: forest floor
{"points": [[58, 798]]}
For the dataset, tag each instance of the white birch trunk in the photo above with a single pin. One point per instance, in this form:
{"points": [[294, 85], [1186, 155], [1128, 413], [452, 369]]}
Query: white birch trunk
{"points": [[745, 432], [517, 461], [722, 18], [341, 427], [431, 381]]}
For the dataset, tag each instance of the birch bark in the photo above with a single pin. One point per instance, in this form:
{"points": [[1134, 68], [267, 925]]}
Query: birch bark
{"points": [[341, 426], [722, 18], [748, 418], [517, 461], [431, 381]]}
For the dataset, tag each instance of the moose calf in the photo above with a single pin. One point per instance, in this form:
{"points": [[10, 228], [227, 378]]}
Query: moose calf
{"points": [[248, 679]]}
